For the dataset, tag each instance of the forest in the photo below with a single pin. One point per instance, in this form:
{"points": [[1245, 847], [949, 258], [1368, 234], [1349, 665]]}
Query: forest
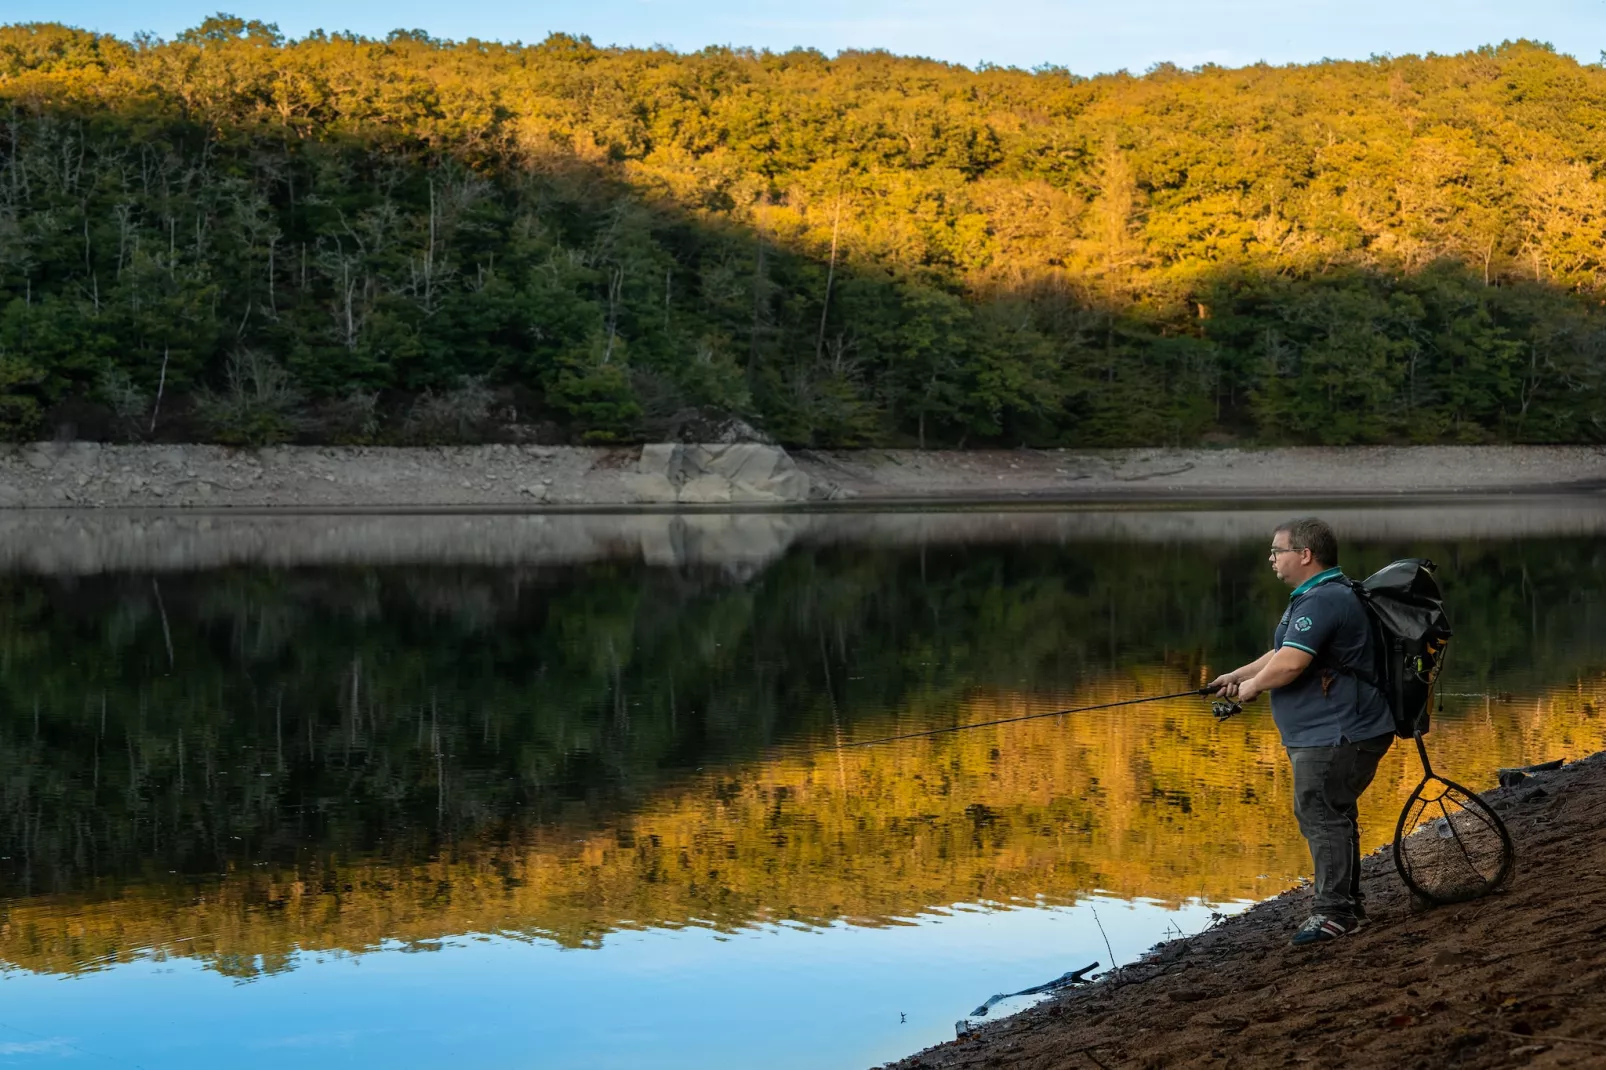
{"points": [[239, 238]]}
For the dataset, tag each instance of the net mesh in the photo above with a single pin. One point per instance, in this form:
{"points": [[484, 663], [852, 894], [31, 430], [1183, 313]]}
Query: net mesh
{"points": [[1450, 846]]}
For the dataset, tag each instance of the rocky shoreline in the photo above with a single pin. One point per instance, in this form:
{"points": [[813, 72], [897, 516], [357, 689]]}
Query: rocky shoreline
{"points": [[722, 476]]}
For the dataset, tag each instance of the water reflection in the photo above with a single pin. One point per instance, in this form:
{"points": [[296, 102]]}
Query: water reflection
{"points": [[68, 543], [237, 764], [1157, 803]]}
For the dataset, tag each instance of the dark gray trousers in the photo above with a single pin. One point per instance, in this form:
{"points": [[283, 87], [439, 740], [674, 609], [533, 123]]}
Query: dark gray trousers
{"points": [[1328, 782]]}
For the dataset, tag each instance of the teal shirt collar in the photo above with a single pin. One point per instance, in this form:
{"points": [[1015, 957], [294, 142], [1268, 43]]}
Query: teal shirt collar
{"points": [[1316, 581]]}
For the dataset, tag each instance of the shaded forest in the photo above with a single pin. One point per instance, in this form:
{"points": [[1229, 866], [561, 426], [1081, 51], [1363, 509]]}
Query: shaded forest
{"points": [[234, 237]]}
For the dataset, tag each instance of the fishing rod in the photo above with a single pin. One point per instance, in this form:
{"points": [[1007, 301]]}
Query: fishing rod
{"points": [[1222, 711]]}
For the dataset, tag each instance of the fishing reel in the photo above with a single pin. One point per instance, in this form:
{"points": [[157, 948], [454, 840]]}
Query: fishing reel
{"points": [[1224, 708]]}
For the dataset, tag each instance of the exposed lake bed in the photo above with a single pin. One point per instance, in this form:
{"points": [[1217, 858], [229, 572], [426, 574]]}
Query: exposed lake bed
{"points": [[574, 791], [536, 478]]}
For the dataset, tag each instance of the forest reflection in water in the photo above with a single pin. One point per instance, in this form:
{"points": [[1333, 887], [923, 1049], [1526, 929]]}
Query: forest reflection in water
{"points": [[241, 764]]}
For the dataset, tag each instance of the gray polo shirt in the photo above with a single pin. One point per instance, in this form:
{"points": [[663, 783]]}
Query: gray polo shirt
{"points": [[1323, 708]]}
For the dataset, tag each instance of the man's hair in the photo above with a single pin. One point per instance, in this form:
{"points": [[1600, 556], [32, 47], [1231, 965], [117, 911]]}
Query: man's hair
{"points": [[1309, 533]]}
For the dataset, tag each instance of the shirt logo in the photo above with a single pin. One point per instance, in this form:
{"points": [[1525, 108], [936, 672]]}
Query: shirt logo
{"points": [[1302, 624]]}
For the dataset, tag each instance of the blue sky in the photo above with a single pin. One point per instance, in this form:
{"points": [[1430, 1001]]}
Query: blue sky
{"points": [[1087, 36]]}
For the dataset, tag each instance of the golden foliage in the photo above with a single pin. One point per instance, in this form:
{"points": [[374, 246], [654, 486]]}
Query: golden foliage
{"points": [[1152, 802]]}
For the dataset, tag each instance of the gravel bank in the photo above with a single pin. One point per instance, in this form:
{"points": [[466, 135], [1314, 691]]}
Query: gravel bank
{"points": [[80, 475], [1115, 475]]}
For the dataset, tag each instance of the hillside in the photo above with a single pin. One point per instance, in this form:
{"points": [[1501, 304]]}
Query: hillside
{"points": [[234, 237]]}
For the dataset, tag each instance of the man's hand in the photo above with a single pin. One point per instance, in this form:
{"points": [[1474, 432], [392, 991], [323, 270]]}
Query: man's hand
{"points": [[1283, 668], [1226, 685]]}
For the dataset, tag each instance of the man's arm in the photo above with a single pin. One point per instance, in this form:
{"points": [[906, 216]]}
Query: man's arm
{"points": [[1312, 630], [1281, 669]]}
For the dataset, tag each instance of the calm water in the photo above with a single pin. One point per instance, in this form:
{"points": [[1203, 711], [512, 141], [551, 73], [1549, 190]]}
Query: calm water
{"points": [[570, 791]]}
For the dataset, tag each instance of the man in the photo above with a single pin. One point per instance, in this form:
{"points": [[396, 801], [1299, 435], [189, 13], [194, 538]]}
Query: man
{"points": [[1335, 724]]}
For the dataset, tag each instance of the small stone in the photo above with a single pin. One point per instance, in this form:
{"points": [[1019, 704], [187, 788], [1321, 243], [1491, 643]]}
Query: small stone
{"points": [[1187, 995]]}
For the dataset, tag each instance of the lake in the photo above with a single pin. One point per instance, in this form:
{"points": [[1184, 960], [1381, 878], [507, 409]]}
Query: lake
{"points": [[577, 791]]}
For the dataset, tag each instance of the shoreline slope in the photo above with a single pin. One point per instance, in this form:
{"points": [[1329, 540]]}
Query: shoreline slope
{"points": [[1517, 979]]}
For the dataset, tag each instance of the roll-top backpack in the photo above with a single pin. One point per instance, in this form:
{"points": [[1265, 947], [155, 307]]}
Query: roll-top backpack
{"points": [[1410, 631]]}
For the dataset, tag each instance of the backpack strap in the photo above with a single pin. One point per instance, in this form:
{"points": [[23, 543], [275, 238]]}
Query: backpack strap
{"points": [[1325, 660], [1361, 675]]}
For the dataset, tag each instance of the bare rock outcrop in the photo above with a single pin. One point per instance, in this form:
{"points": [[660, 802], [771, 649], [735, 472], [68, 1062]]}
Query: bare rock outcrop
{"points": [[717, 474]]}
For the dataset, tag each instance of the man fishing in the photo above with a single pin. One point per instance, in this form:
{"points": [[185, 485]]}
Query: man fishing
{"points": [[1335, 725]]}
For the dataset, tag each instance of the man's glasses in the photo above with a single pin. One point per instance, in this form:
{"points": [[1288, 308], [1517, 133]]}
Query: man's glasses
{"points": [[1275, 550]]}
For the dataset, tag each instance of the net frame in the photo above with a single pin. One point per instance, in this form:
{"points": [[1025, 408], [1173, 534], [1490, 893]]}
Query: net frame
{"points": [[1469, 803]]}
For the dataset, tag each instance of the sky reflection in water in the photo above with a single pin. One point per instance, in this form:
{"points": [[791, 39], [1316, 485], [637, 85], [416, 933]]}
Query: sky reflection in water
{"points": [[253, 811], [772, 996]]}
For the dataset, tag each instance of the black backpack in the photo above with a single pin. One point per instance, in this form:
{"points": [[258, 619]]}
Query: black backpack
{"points": [[1410, 631]]}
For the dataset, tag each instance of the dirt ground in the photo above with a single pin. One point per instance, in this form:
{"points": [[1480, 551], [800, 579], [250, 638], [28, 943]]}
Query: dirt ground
{"points": [[1517, 979]]}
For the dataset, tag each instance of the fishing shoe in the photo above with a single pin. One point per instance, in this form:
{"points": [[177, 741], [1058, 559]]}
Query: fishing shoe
{"points": [[1320, 927]]}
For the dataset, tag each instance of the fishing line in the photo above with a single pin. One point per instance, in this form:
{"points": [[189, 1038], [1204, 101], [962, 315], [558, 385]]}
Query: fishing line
{"points": [[1029, 717]]}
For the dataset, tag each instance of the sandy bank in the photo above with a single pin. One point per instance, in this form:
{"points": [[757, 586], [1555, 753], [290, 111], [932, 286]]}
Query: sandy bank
{"points": [[81, 475], [1518, 979]]}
